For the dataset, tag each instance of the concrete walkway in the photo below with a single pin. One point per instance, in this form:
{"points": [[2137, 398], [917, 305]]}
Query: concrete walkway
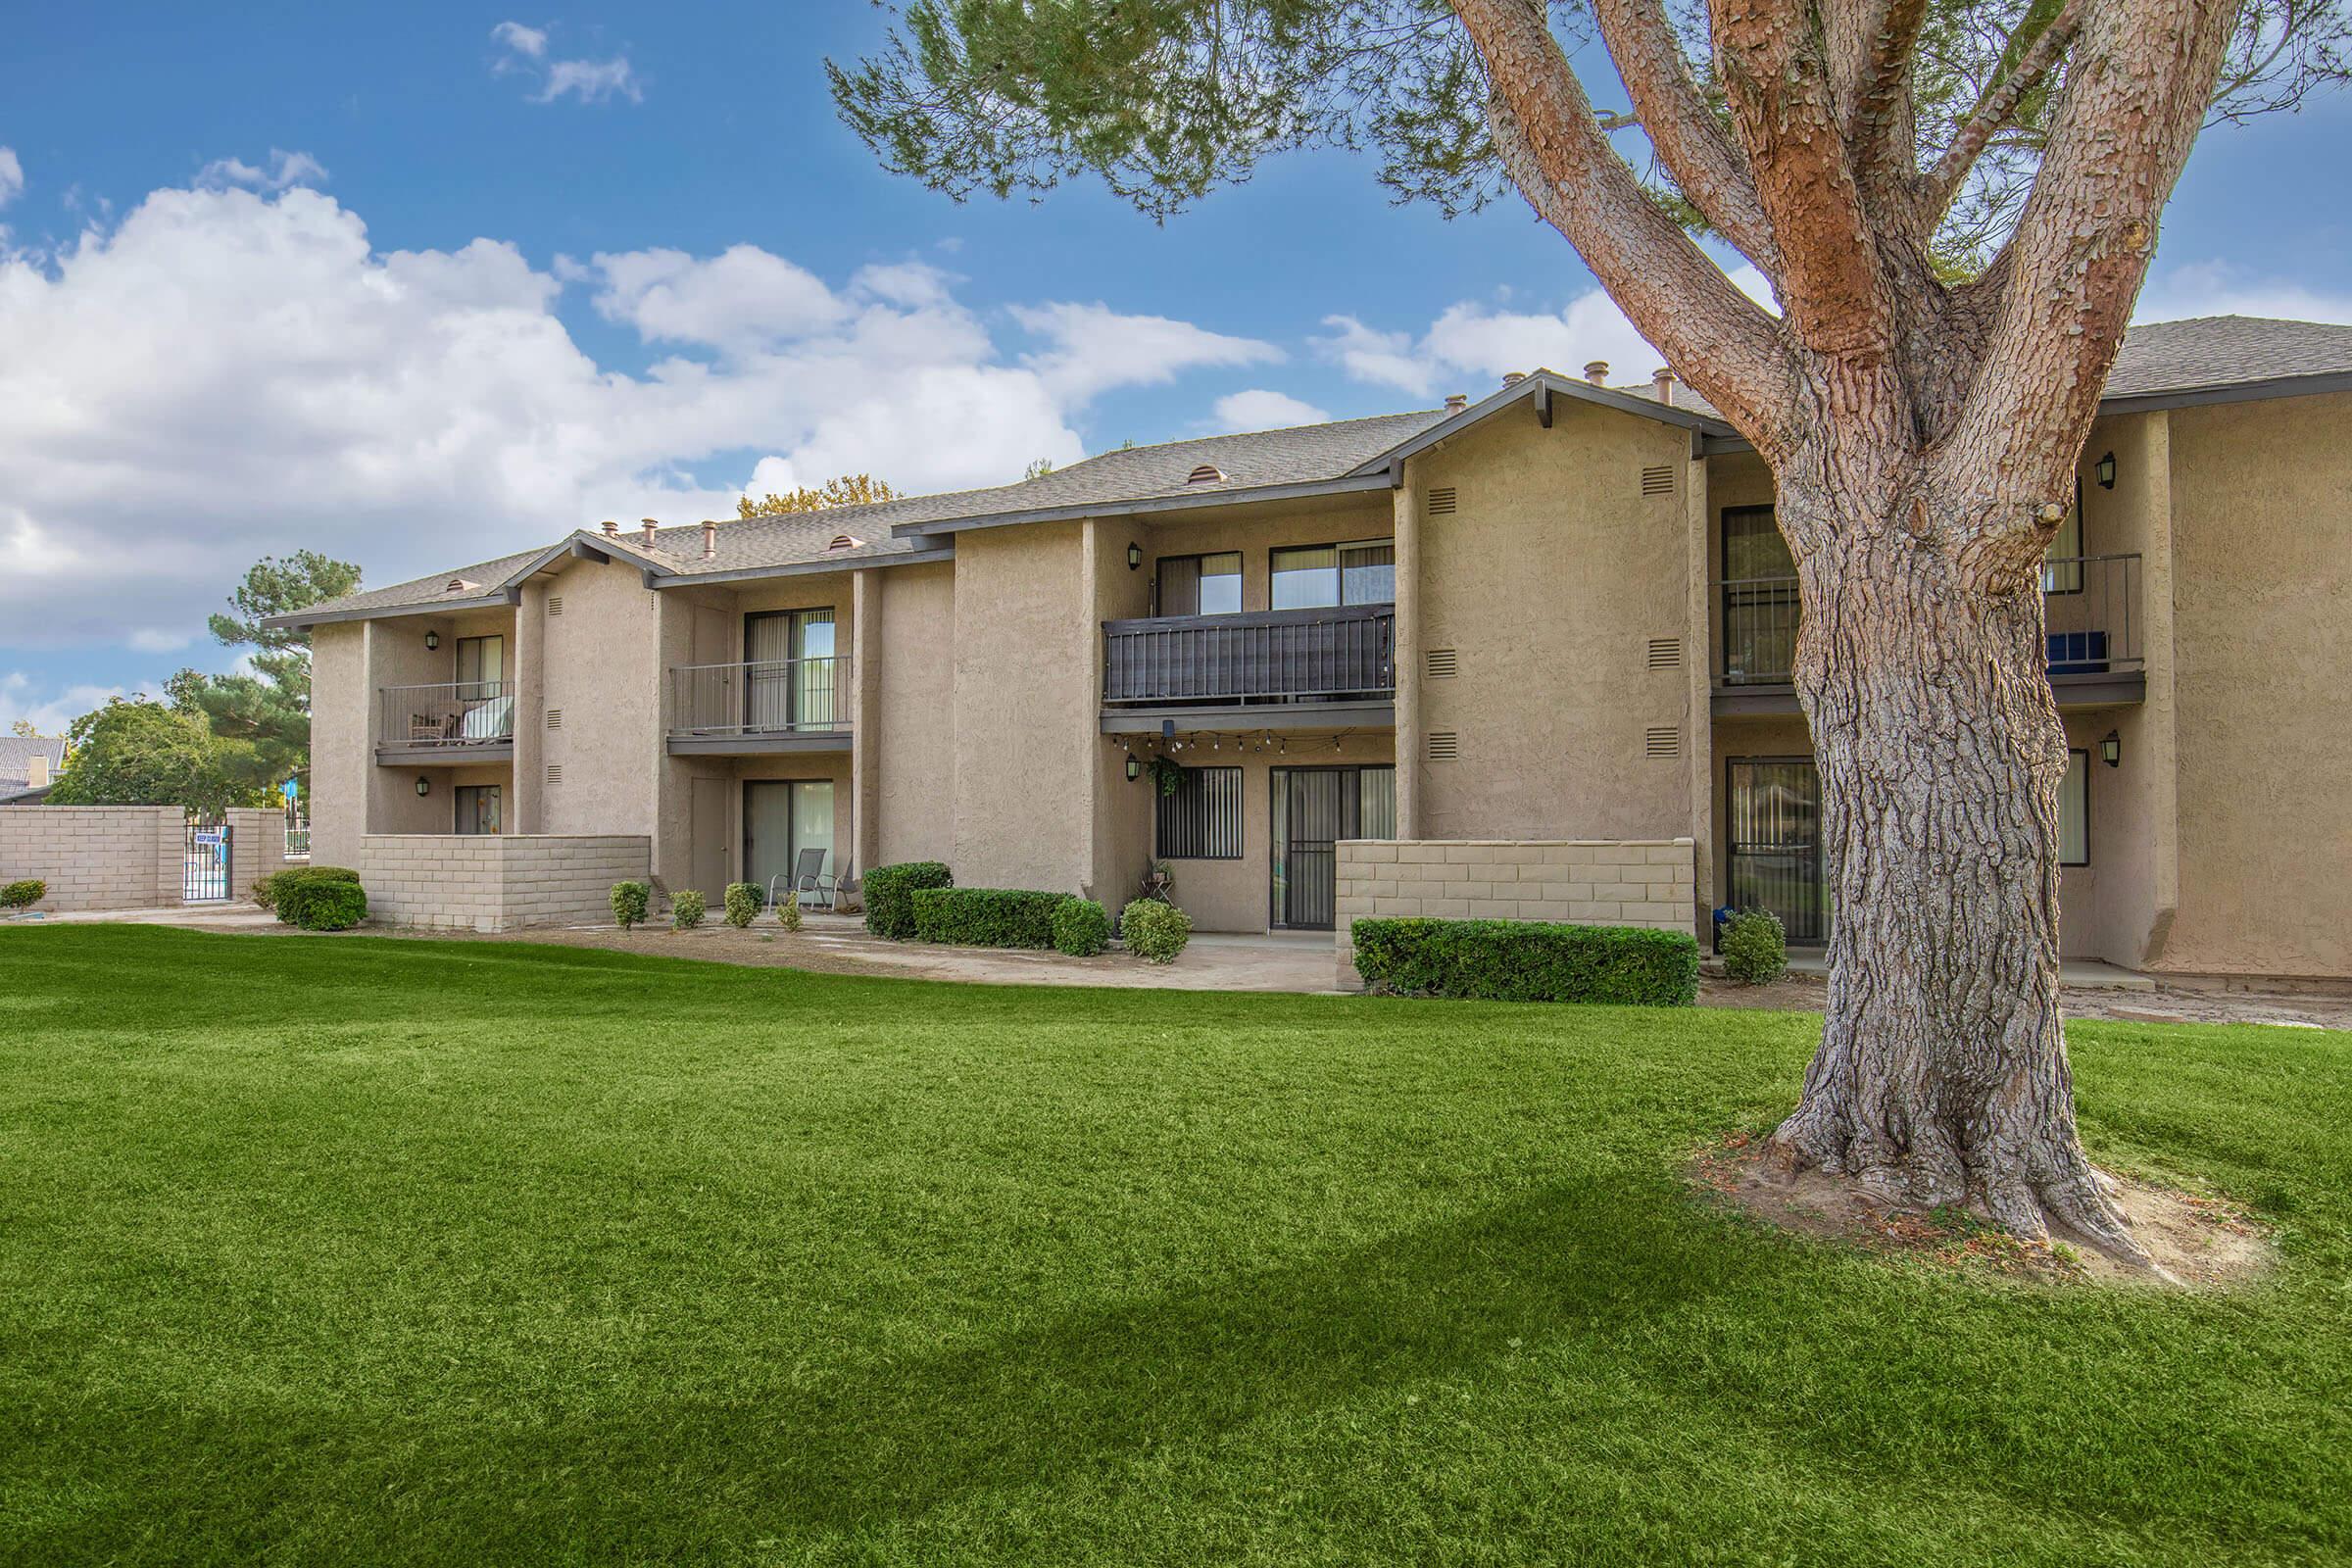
{"points": [[2083, 974]]}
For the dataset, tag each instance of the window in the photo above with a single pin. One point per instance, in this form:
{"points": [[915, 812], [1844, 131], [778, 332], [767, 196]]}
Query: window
{"points": [[479, 809], [1760, 610], [1319, 577], [790, 681], [2063, 574], [481, 665], [2074, 811], [1201, 820], [1200, 585]]}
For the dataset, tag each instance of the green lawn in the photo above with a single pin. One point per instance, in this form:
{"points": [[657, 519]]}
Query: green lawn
{"points": [[368, 1250]]}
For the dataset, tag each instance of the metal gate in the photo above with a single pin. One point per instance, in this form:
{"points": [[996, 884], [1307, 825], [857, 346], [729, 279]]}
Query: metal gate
{"points": [[204, 861], [1777, 859]]}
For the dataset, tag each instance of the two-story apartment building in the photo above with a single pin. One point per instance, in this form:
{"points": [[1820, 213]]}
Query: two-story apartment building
{"points": [[1558, 613]]}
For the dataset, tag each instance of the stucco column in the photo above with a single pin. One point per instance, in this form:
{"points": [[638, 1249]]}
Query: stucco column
{"points": [[865, 717], [2159, 719], [1406, 501], [1698, 664], [530, 713]]}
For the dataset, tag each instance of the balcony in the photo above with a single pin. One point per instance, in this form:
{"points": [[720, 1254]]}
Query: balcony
{"points": [[2091, 603], [1273, 670], [455, 721], [766, 705]]}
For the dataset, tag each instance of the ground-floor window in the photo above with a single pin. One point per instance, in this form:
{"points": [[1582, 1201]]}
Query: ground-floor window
{"points": [[2074, 811], [1201, 818], [480, 809], [787, 833], [1777, 860], [1312, 810]]}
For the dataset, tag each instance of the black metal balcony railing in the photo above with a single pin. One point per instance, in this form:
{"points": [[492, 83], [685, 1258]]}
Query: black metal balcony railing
{"points": [[2091, 603], [454, 715], [1344, 652], [763, 697]]}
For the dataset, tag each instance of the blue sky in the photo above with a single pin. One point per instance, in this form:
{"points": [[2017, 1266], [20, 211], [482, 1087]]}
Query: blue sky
{"points": [[420, 285]]}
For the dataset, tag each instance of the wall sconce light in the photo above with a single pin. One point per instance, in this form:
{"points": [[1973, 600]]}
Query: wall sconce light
{"points": [[2111, 750], [2106, 471], [424, 785], [432, 640], [1135, 556], [1134, 769]]}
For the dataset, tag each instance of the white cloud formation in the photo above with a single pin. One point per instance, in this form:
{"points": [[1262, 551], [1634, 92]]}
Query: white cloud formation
{"points": [[591, 81], [286, 170], [1259, 408], [12, 176], [228, 374], [530, 42], [2224, 288], [50, 711], [1471, 346]]}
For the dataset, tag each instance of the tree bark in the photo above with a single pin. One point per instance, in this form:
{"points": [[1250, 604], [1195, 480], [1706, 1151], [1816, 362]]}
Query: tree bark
{"points": [[1941, 1075]]}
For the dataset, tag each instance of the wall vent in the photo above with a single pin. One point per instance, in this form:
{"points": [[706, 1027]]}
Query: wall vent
{"points": [[1665, 653], [1441, 501], [1444, 664], [1445, 745], [1206, 473], [1658, 481], [555, 603], [1662, 740], [555, 773], [554, 718], [845, 541]]}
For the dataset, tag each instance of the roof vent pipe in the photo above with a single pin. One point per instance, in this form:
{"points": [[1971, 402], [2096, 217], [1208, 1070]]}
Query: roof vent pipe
{"points": [[611, 529], [650, 524], [709, 538], [1514, 377], [1661, 384], [1456, 403], [1597, 372]]}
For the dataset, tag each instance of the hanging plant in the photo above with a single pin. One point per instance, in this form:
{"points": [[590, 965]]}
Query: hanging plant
{"points": [[1167, 773]]}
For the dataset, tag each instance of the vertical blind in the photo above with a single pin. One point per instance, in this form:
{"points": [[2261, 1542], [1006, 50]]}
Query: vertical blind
{"points": [[1201, 819]]}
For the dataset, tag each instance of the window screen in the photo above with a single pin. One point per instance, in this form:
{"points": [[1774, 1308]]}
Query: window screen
{"points": [[1200, 585], [2074, 811], [1201, 820]]}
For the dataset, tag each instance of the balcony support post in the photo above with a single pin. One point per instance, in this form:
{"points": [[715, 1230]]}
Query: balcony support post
{"points": [[1408, 645], [865, 719]]}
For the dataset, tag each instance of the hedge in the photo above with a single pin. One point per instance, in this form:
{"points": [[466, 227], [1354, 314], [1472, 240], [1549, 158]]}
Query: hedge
{"points": [[1154, 932], [1528, 960], [985, 917], [318, 898], [1081, 928], [890, 894]]}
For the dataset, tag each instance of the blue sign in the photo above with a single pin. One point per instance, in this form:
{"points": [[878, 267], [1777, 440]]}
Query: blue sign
{"points": [[289, 789]]}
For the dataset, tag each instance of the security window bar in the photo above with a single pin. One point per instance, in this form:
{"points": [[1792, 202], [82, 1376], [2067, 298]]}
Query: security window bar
{"points": [[1201, 820]]}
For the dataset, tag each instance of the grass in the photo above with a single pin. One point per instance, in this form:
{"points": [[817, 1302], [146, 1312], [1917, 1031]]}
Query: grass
{"points": [[389, 1251]]}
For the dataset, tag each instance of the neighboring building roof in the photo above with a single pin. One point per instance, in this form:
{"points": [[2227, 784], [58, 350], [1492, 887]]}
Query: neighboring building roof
{"points": [[17, 753], [2166, 361]]}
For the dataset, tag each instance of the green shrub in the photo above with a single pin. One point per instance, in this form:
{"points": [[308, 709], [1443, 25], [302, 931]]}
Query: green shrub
{"points": [[23, 894], [788, 914], [1154, 932], [743, 904], [322, 898], [1754, 947], [264, 891], [686, 908], [986, 917], [1528, 960], [630, 900], [890, 895], [1081, 927]]}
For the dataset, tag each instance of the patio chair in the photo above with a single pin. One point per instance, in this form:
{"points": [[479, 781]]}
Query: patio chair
{"points": [[834, 885], [808, 876]]}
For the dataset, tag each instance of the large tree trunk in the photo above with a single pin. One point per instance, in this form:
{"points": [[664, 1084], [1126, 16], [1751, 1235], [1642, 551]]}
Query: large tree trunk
{"points": [[1942, 1077]]}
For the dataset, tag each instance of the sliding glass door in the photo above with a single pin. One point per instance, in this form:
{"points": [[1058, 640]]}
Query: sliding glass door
{"points": [[790, 683], [1314, 809], [782, 819]]}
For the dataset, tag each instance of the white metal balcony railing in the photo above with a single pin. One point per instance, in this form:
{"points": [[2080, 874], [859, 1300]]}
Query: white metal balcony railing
{"points": [[452, 716], [762, 697], [2092, 604]]}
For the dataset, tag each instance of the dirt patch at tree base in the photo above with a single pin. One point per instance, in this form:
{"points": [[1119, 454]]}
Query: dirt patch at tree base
{"points": [[2199, 1241]]}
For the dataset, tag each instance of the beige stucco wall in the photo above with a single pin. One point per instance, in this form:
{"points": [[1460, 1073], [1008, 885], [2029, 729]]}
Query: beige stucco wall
{"points": [[342, 747], [1256, 532], [478, 883], [1549, 581], [96, 857], [914, 752], [603, 663]]}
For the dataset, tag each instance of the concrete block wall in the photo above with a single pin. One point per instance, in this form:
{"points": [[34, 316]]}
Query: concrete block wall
{"points": [[1652, 883], [472, 882], [95, 857]]}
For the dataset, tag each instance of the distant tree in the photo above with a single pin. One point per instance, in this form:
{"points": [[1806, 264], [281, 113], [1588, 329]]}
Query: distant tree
{"points": [[266, 713], [849, 490], [1038, 468], [138, 752], [24, 727]]}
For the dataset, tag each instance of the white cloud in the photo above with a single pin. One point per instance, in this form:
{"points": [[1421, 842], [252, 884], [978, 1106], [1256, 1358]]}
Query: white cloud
{"points": [[228, 374], [521, 40], [2224, 288], [51, 711], [286, 170], [1261, 409], [591, 81], [157, 640], [12, 176]]}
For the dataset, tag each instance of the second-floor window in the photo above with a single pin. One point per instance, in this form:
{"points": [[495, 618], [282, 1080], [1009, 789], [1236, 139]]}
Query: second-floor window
{"points": [[481, 665], [789, 684], [1200, 585], [1320, 576]]}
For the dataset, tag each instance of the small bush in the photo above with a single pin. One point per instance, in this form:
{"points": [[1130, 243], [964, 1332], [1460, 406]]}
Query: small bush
{"points": [[788, 914], [324, 897], [23, 894], [264, 891], [986, 917], [1154, 932], [1528, 960], [1081, 928], [686, 908], [890, 895], [630, 900], [743, 904], [1755, 948]]}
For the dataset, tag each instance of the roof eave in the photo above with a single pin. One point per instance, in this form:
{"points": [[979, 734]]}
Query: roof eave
{"points": [[804, 569], [304, 619], [1543, 386], [1302, 489]]}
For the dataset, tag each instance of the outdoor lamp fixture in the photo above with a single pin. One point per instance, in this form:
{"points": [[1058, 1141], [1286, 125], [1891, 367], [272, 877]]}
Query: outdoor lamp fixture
{"points": [[1135, 555], [2106, 471], [424, 785], [1135, 767], [2111, 750], [432, 640]]}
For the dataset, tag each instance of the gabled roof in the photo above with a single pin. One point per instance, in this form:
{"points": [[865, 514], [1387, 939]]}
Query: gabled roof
{"points": [[2180, 360], [17, 753]]}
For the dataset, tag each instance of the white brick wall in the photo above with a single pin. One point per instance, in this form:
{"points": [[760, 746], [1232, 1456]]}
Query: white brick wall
{"points": [[95, 857], [468, 882], [1651, 883]]}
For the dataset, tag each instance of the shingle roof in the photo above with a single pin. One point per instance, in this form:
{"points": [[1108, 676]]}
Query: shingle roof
{"points": [[2161, 358], [17, 753]]}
